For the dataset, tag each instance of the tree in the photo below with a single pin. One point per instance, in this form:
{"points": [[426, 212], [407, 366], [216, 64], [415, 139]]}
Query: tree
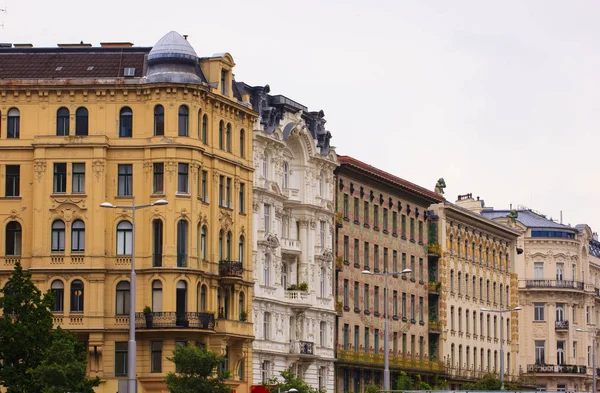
{"points": [[25, 330], [406, 382], [488, 382], [291, 380], [198, 371], [64, 366]]}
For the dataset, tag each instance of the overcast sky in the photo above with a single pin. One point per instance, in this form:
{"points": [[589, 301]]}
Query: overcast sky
{"points": [[501, 98]]}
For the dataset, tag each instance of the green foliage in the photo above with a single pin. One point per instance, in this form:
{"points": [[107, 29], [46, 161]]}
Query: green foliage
{"points": [[147, 310], [303, 286], [372, 388], [488, 382], [406, 382], [197, 371], [64, 366], [291, 380], [34, 358]]}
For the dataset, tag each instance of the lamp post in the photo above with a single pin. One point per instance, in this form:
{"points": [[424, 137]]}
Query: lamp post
{"points": [[131, 346], [386, 332], [594, 371], [501, 311]]}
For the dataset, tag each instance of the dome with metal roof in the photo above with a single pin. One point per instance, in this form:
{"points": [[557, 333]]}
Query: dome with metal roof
{"points": [[173, 60]]}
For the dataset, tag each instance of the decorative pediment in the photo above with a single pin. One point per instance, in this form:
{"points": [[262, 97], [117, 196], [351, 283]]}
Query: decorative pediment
{"points": [[68, 209], [225, 220]]}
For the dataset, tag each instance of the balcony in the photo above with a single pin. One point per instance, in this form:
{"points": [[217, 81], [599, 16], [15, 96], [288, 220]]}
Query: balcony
{"points": [[231, 269], [290, 246], [434, 250], [298, 299], [562, 325], [175, 320], [560, 284], [556, 369], [302, 347], [396, 362], [435, 326], [434, 287]]}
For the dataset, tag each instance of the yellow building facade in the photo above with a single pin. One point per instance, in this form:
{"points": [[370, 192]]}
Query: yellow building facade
{"points": [[81, 126]]}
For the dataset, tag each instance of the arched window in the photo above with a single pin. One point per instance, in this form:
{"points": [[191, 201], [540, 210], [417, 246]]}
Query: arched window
{"points": [[182, 121], [242, 143], [122, 298], [204, 129], [62, 122], [182, 240], [78, 236], [125, 123], [14, 124], [13, 239], [81, 121], [241, 250], [286, 175], [228, 137], [77, 296], [220, 245], [228, 246], [58, 290], [159, 120], [242, 307], [203, 298], [156, 296], [221, 134], [58, 236], [124, 238], [157, 242], [203, 242]]}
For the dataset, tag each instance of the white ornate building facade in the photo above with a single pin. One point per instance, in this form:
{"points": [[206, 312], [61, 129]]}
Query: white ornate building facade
{"points": [[293, 306]]}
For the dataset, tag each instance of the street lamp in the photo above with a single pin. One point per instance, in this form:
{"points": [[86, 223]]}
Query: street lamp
{"points": [[386, 338], [594, 371], [131, 346], [501, 311]]}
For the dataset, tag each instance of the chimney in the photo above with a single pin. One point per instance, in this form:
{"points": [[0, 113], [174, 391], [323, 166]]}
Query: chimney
{"points": [[561, 216], [80, 45], [595, 236], [116, 44], [23, 45]]}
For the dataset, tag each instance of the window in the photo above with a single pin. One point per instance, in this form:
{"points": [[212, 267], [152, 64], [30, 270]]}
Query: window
{"points": [[159, 120], [203, 298], [267, 326], [77, 296], [156, 356], [204, 187], [205, 129], [366, 256], [182, 178], [62, 122], [58, 290], [322, 377], [221, 135], [421, 233], [395, 261], [412, 268], [346, 297], [404, 264], [158, 181], [182, 243], [228, 137], [366, 213], [404, 314], [78, 178], [394, 223], [376, 299], [265, 371], [412, 229], [121, 359], [241, 306], [224, 89], [122, 307], [356, 333], [241, 249], [267, 270], [412, 307], [376, 257], [14, 124], [366, 297], [13, 239], [78, 236], [385, 219], [124, 238], [265, 166], [286, 175], [385, 260], [322, 231], [58, 236], [540, 352], [421, 309], [183, 121], [538, 270], [421, 273], [125, 123], [375, 217], [366, 340], [403, 226], [156, 296], [60, 177], [242, 143], [157, 242], [13, 181], [356, 297], [322, 282], [346, 206], [267, 218], [81, 121], [356, 252], [203, 242], [125, 181]]}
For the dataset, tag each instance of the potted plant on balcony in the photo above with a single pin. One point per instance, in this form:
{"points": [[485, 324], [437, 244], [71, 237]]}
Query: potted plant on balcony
{"points": [[292, 287], [303, 286], [243, 316], [148, 315]]}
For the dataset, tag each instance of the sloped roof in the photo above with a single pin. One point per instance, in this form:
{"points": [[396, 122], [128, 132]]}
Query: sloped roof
{"points": [[528, 218]]}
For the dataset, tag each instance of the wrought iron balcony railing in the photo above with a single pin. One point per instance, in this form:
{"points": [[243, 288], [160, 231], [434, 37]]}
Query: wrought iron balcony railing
{"points": [[175, 320], [565, 284], [556, 368], [231, 269], [562, 325]]}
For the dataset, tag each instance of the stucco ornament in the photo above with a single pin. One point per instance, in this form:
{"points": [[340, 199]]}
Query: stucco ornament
{"points": [[39, 166]]}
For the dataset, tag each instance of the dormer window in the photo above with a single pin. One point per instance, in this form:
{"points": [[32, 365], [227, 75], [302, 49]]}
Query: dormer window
{"points": [[224, 78]]}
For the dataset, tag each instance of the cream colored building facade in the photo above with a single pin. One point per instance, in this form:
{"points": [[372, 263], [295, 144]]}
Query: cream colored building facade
{"points": [[476, 269], [559, 281], [82, 125], [293, 304]]}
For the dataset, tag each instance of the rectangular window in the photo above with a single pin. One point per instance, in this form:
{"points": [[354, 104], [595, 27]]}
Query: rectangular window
{"points": [[394, 223], [356, 252], [412, 268], [182, 178], [403, 304], [375, 216], [395, 261], [385, 259], [322, 232], [267, 325], [385, 219], [356, 213], [412, 307], [540, 352], [125, 186], [60, 177], [221, 190], [346, 248], [356, 296], [366, 256], [346, 336], [204, 187], [120, 359], [78, 178], [346, 207], [421, 271], [376, 300], [403, 227], [404, 348], [366, 340], [267, 217], [421, 308], [421, 233], [412, 229], [13, 181], [356, 334], [376, 341], [403, 261], [346, 296], [242, 198], [538, 270], [224, 89], [395, 304], [366, 213], [228, 193], [376, 257], [156, 357], [366, 296]]}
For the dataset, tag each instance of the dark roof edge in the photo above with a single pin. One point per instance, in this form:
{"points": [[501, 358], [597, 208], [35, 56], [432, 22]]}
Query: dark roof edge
{"points": [[133, 49]]}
